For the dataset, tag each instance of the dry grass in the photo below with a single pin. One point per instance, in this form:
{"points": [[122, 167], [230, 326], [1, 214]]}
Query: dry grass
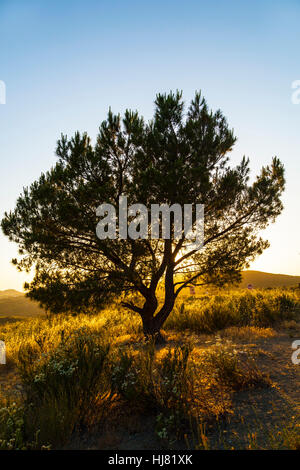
{"points": [[247, 333], [191, 380]]}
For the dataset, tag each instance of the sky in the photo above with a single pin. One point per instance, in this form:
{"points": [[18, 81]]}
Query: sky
{"points": [[65, 62]]}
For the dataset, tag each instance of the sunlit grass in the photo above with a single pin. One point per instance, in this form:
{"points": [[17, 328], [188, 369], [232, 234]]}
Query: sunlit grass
{"points": [[192, 378], [211, 313]]}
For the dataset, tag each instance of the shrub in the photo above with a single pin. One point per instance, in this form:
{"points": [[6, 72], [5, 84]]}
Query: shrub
{"points": [[142, 376], [12, 429], [64, 386], [237, 308], [173, 381], [228, 369]]}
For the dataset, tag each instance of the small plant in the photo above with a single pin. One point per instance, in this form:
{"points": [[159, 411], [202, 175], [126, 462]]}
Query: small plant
{"points": [[12, 429], [166, 428], [173, 379], [63, 387], [132, 375], [227, 368], [287, 436], [198, 435]]}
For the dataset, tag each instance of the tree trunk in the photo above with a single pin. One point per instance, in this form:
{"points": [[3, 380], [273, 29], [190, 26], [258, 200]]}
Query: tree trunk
{"points": [[150, 327], [151, 324]]}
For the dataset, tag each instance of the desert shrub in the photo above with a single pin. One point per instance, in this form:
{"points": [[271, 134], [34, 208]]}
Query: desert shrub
{"points": [[143, 377], [174, 393], [129, 378], [209, 318], [228, 369], [243, 306], [131, 374], [157, 383], [173, 378], [237, 308], [171, 383], [64, 386], [12, 429], [289, 437]]}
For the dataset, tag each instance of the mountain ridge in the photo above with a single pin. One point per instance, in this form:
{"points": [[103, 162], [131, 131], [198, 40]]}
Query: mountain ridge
{"points": [[262, 279], [15, 303]]}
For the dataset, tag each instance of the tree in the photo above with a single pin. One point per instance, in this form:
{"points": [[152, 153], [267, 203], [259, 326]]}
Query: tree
{"points": [[175, 158]]}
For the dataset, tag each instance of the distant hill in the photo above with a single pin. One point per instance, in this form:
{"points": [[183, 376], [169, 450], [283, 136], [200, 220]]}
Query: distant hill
{"points": [[14, 303], [260, 279], [10, 293]]}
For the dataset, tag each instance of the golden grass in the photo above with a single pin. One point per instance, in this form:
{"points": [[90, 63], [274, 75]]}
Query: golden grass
{"points": [[210, 324], [226, 311]]}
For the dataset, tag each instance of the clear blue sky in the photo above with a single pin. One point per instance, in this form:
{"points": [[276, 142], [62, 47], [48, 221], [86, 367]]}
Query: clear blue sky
{"points": [[65, 62]]}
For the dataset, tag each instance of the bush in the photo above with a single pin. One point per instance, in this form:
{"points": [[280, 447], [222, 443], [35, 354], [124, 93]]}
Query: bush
{"points": [[64, 387], [238, 308], [12, 429], [228, 369], [173, 380], [144, 378]]}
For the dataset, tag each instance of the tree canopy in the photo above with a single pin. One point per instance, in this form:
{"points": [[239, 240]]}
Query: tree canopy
{"points": [[179, 157]]}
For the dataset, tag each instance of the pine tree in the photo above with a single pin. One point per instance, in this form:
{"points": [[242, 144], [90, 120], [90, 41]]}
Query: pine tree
{"points": [[175, 158]]}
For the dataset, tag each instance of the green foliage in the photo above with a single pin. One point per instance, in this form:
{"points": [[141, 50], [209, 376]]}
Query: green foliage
{"points": [[167, 428], [12, 432], [175, 158], [129, 378], [64, 387]]}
